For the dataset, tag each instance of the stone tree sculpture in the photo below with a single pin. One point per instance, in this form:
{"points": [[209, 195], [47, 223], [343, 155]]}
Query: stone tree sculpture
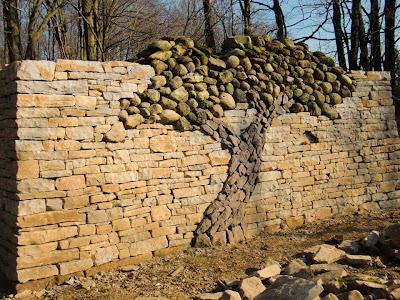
{"points": [[193, 87]]}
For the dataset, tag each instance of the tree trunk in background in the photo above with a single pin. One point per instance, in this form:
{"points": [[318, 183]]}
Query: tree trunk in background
{"points": [[60, 33], [355, 35], [390, 14], [336, 20], [209, 23], [246, 12], [375, 36], [12, 35], [364, 58], [88, 25], [280, 20]]}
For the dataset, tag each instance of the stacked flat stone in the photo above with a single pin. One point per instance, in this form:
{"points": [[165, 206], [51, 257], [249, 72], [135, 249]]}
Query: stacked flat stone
{"points": [[193, 87]]}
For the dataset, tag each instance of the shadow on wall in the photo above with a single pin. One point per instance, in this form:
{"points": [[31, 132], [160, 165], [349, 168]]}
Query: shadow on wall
{"points": [[9, 201]]}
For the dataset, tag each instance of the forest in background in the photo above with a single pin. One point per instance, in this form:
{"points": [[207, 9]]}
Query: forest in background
{"points": [[360, 34]]}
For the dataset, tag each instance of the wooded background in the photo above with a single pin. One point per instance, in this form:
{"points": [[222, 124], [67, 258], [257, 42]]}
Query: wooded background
{"points": [[360, 34]]}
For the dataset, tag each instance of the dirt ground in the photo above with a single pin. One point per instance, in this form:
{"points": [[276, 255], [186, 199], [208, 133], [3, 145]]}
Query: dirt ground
{"points": [[203, 270]]}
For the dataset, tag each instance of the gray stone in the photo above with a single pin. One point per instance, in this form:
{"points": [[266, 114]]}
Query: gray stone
{"points": [[133, 121], [180, 94], [161, 55], [325, 253], [297, 268], [288, 287], [230, 295], [371, 239], [116, 134], [216, 63], [227, 101], [350, 246], [251, 287], [358, 260], [169, 116], [232, 61], [161, 45], [271, 269], [158, 81]]}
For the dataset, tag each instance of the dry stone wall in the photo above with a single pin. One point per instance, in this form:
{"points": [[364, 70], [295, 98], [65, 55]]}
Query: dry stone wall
{"points": [[75, 202]]}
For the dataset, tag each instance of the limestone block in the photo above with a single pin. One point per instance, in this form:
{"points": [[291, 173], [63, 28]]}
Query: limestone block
{"points": [[76, 202], [71, 183], [35, 185], [149, 245], [45, 236], [163, 143], [105, 255], [221, 157], [37, 112], [160, 213], [49, 218], [41, 134], [121, 177], [80, 133], [86, 102], [97, 216], [31, 207], [47, 258], [65, 65], [27, 169], [36, 70], [61, 87], [36, 273], [30, 100], [75, 266], [187, 192]]}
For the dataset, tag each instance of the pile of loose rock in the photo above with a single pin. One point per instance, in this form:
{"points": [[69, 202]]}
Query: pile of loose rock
{"points": [[349, 270], [192, 84]]}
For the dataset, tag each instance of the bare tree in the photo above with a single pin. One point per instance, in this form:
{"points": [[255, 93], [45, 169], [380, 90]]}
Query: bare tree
{"points": [[245, 7], [280, 20], [12, 30], [390, 14], [375, 33], [89, 29], [336, 20], [209, 23], [355, 35]]}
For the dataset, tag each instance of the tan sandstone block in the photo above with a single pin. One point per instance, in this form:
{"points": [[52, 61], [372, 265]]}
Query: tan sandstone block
{"points": [[76, 202], [188, 192], [80, 133], [48, 218], [64, 65], [97, 216], [75, 266], [36, 273], [221, 157], [294, 222], [163, 143], [30, 207], [159, 213], [121, 224], [150, 245], [323, 213], [46, 258], [27, 169], [35, 185], [74, 182], [46, 236], [36, 100], [86, 102], [95, 179], [36, 70]]}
